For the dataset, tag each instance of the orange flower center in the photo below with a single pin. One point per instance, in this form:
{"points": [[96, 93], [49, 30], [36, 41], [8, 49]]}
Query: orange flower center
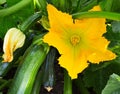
{"points": [[75, 39]]}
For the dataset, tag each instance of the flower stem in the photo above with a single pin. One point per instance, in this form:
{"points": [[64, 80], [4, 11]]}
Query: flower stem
{"points": [[67, 83], [97, 14], [14, 8]]}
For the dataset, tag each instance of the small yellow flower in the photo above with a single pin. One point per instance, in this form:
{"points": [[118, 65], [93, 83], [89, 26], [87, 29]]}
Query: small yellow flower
{"points": [[79, 41], [13, 40]]}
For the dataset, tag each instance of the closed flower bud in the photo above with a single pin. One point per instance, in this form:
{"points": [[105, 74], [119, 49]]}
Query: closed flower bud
{"points": [[13, 40]]}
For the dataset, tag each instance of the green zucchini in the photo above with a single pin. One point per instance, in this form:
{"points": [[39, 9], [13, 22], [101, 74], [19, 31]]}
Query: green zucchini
{"points": [[30, 21], [26, 73], [3, 67], [48, 72], [38, 81], [45, 75]]}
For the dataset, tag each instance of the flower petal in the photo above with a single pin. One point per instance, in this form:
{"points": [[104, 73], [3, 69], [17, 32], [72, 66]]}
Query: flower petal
{"points": [[77, 42], [93, 27], [98, 57], [98, 44], [100, 53], [14, 39], [57, 19], [53, 40], [73, 65]]}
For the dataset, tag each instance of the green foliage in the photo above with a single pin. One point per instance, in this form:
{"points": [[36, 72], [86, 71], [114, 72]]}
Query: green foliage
{"points": [[15, 19], [40, 5], [73, 6], [85, 5], [97, 78], [112, 5], [113, 85], [114, 38], [2, 2]]}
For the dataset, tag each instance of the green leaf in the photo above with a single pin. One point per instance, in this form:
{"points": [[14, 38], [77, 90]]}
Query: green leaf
{"points": [[84, 5], [15, 19], [98, 79], [95, 80], [114, 38], [112, 5], [2, 1], [113, 85], [116, 26]]}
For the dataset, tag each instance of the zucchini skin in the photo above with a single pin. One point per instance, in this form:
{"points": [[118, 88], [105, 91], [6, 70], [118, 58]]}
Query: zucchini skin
{"points": [[26, 73], [48, 71], [30, 21]]}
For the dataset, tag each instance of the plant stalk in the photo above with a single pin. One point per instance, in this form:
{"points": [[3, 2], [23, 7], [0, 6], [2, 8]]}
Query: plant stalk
{"points": [[14, 8], [97, 14], [67, 83]]}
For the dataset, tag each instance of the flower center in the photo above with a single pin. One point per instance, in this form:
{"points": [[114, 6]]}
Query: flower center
{"points": [[75, 39]]}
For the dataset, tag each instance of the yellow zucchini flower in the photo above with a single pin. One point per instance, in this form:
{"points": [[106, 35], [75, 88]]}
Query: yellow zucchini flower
{"points": [[13, 40], [78, 41]]}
